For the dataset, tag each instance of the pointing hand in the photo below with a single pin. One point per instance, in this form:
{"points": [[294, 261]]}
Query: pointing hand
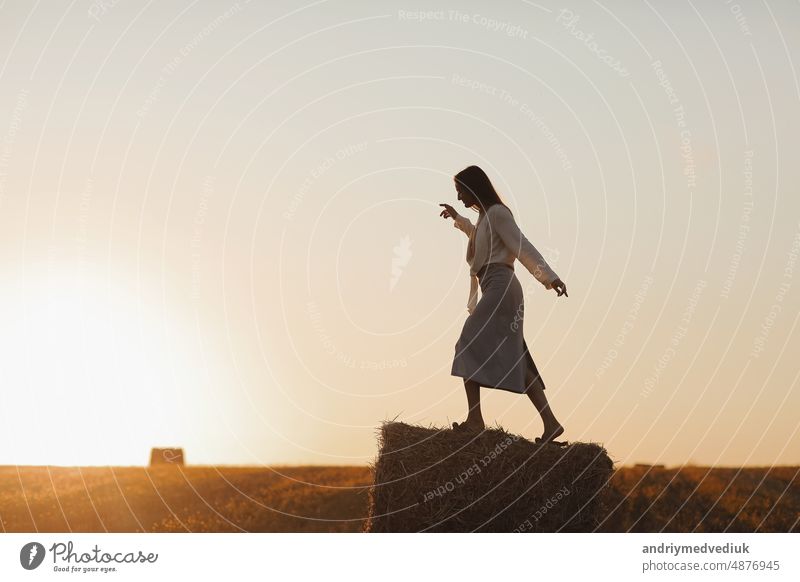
{"points": [[560, 288]]}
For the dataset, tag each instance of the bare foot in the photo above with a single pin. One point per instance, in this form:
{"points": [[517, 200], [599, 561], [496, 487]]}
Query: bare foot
{"points": [[550, 433], [470, 425]]}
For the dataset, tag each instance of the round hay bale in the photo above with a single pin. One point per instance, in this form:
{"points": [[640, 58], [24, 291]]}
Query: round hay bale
{"points": [[440, 480]]}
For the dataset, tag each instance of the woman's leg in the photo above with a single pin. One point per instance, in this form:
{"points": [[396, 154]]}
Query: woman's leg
{"points": [[552, 428], [474, 416]]}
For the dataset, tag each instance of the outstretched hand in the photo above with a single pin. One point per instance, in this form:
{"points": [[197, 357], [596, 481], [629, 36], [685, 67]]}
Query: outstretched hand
{"points": [[448, 212], [560, 288]]}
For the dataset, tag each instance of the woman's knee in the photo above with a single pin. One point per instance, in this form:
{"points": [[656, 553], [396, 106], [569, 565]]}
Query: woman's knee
{"points": [[533, 382]]}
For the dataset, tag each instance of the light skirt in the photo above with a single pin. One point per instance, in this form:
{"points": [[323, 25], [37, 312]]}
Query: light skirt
{"points": [[491, 349]]}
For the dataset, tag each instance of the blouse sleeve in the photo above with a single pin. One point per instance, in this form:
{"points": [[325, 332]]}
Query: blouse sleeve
{"points": [[516, 242], [463, 223]]}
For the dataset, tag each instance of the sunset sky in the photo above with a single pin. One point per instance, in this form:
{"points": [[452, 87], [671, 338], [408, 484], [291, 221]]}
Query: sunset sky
{"points": [[219, 224]]}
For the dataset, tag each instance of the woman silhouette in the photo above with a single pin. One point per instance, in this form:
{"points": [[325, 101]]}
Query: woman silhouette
{"points": [[491, 350]]}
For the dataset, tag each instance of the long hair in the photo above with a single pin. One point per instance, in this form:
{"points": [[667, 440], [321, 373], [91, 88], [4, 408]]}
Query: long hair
{"points": [[475, 181]]}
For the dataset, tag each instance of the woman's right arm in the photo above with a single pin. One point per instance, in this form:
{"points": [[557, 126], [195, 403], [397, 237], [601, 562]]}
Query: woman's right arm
{"points": [[460, 222], [463, 223]]}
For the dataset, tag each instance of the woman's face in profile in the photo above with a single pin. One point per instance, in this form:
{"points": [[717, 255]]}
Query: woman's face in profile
{"points": [[465, 195]]}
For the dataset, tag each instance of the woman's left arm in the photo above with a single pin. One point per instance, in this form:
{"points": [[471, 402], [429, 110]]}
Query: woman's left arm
{"points": [[527, 254]]}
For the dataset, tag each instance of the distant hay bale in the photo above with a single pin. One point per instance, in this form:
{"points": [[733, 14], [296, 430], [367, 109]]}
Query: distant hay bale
{"points": [[431, 479], [166, 456]]}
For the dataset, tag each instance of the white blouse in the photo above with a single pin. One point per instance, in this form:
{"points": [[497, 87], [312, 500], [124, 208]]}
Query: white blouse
{"points": [[498, 239]]}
